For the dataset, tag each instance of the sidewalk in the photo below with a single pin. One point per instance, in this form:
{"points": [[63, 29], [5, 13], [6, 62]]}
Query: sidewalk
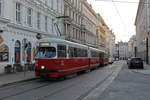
{"points": [[6, 79], [146, 69]]}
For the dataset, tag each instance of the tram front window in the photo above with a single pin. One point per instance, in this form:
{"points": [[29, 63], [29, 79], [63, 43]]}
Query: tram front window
{"points": [[46, 52]]}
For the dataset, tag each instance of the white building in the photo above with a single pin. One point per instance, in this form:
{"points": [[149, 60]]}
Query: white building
{"points": [[21, 21], [142, 23], [72, 29], [123, 50], [90, 23], [111, 44], [130, 44]]}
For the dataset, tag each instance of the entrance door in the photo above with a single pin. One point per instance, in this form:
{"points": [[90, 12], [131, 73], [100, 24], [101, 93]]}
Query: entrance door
{"points": [[17, 52], [29, 53]]}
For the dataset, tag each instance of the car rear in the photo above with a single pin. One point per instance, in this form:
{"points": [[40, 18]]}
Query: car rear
{"points": [[136, 63]]}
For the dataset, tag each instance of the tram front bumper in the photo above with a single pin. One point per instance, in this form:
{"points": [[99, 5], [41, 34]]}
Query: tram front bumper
{"points": [[47, 73]]}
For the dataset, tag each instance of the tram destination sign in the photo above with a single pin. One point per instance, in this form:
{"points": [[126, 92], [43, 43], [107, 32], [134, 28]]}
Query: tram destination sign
{"points": [[44, 44]]}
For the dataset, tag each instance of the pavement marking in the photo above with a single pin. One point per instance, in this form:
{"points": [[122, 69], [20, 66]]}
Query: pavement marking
{"points": [[96, 92]]}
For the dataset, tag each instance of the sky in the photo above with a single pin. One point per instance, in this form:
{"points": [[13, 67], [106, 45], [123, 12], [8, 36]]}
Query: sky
{"points": [[119, 15]]}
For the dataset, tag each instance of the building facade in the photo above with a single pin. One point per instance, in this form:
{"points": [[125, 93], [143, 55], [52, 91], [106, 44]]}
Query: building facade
{"points": [[123, 50], [111, 44], [20, 22], [142, 24], [101, 33], [134, 50], [132, 46], [116, 52], [107, 42], [72, 26], [90, 24]]}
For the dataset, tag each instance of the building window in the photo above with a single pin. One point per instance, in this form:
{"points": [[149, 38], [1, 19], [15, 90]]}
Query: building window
{"points": [[1, 7], [57, 5], [46, 23], [18, 13], [29, 17], [52, 2], [65, 10], [70, 12], [52, 25], [38, 20]]}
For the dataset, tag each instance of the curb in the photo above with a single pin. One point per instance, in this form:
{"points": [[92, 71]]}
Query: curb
{"points": [[21, 81]]}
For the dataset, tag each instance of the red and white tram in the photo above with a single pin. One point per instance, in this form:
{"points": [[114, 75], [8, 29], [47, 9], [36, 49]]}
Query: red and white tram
{"points": [[57, 57]]}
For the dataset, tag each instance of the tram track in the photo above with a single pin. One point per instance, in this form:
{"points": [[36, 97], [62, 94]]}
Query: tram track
{"points": [[24, 91], [93, 88], [31, 89], [67, 87], [59, 88], [14, 85], [101, 84]]}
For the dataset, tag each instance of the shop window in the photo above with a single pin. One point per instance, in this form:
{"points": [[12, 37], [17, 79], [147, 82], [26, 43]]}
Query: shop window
{"points": [[4, 53]]}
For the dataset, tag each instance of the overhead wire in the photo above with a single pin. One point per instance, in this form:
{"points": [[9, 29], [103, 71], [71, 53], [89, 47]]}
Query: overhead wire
{"points": [[117, 1], [122, 21], [131, 2]]}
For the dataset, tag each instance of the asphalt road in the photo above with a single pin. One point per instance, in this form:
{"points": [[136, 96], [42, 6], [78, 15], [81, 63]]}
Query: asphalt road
{"points": [[82, 87], [128, 85]]}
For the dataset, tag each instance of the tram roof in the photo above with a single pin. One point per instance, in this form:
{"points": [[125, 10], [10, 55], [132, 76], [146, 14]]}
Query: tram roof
{"points": [[96, 49], [62, 41], [65, 42]]}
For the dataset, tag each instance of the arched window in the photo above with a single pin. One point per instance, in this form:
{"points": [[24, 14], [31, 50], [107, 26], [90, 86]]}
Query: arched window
{"points": [[29, 53], [17, 51]]}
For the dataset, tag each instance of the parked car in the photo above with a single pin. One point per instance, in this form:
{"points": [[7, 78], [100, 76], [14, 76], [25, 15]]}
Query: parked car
{"points": [[135, 63]]}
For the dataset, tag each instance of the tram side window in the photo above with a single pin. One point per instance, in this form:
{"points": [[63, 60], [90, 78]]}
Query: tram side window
{"points": [[77, 52], [71, 52], [94, 54], [83, 53], [61, 51], [101, 55]]}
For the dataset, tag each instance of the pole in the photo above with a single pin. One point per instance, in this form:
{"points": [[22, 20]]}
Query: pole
{"points": [[147, 51], [25, 64], [147, 23]]}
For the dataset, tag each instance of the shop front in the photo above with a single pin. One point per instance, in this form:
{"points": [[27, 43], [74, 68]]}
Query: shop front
{"points": [[12, 49]]}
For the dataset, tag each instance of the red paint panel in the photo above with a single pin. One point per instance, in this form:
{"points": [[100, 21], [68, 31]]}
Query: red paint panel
{"points": [[94, 62], [64, 66]]}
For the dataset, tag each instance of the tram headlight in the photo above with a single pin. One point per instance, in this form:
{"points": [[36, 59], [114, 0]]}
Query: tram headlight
{"points": [[42, 67]]}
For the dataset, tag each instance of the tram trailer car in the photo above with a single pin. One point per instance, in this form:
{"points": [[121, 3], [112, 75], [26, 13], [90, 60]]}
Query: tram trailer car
{"points": [[57, 57]]}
